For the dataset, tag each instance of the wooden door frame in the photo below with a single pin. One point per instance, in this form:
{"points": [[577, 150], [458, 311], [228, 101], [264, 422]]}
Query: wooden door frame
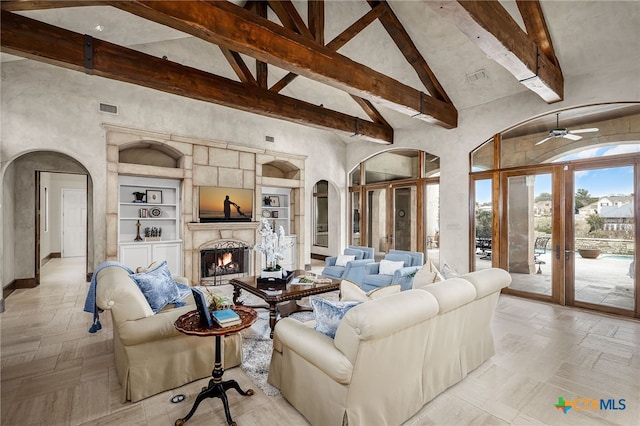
{"points": [[557, 236], [569, 171]]}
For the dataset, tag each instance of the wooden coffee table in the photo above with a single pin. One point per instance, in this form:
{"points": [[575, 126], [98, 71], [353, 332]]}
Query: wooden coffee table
{"points": [[284, 303]]}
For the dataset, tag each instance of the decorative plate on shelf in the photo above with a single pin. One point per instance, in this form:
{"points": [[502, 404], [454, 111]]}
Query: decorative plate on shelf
{"points": [[155, 212], [266, 213]]}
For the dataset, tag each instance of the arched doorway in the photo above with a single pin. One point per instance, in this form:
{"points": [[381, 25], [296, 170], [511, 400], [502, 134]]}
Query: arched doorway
{"points": [[395, 203], [27, 213]]}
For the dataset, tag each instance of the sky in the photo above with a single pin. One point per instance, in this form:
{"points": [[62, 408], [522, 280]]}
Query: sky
{"points": [[599, 182]]}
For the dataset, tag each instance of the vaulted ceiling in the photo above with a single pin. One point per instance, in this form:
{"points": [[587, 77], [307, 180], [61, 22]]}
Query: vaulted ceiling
{"points": [[359, 68]]}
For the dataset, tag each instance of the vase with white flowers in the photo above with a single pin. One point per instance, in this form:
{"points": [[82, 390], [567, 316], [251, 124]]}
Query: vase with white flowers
{"points": [[273, 246]]}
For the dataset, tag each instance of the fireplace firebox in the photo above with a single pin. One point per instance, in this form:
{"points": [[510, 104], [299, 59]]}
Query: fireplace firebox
{"points": [[224, 261]]}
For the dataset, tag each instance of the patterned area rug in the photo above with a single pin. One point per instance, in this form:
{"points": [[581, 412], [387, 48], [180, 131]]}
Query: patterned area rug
{"points": [[257, 345]]}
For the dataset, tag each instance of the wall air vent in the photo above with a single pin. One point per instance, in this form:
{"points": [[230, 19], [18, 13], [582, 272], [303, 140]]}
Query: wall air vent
{"points": [[109, 109], [268, 138]]}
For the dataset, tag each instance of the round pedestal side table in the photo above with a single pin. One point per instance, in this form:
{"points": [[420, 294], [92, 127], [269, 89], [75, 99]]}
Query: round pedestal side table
{"points": [[189, 323]]}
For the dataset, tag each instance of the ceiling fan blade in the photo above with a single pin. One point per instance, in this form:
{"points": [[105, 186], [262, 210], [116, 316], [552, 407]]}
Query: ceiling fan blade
{"points": [[589, 130], [544, 140], [572, 137]]}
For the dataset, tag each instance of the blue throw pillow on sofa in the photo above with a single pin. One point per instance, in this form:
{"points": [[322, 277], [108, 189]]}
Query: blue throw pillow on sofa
{"points": [[158, 287], [328, 314]]}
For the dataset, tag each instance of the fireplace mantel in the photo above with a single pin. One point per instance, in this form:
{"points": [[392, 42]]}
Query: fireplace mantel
{"points": [[216, 226]]}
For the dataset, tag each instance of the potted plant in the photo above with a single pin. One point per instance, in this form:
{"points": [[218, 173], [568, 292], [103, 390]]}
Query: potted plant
{"points": [[266, 200], [272, 246]]}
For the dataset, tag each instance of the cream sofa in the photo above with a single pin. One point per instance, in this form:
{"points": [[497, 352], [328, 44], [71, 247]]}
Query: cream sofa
{"points": [[151, 355], [390, 356]]}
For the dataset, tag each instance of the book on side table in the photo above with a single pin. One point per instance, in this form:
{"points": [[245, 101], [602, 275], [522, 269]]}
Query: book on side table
{"points": [[226, 317]]}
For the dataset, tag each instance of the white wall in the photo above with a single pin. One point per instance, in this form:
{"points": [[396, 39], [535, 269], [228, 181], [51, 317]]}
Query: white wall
{"points": [[49, 108]]}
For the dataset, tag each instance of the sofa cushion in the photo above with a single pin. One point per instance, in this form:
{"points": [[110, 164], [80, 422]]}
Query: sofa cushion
{"points": [[343, 259], [328, 314], [452, 293], [399, 257], [389, 267], [426, 275], [351, 292], [448, 271], [359, 254], [158, 287]]}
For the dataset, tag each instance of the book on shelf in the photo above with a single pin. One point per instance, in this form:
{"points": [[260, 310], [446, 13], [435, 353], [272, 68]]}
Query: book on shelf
{"points": [[226, 317]]}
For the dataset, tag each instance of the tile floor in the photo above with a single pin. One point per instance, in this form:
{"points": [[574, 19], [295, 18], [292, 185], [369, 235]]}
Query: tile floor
{"points": [[55, 373]]}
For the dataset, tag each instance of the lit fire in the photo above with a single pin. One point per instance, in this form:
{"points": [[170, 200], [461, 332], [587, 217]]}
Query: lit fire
{"points": [[225, 259]]}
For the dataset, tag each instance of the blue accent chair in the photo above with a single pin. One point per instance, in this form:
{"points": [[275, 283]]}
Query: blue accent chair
{"points": [[354, 269], [413, 261]]}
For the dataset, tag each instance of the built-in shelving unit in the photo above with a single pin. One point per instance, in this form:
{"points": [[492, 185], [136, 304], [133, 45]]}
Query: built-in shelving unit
{"points": [[278, 212], [149, 222], [278, 209]]}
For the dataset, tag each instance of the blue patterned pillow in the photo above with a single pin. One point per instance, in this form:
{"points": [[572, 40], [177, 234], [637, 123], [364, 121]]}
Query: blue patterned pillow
{"points": [[158, 287], [328, 314]]}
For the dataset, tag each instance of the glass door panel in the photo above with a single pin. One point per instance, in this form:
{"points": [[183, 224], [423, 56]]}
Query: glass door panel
{"points": [[529, 207], [355, 219], [432, 221], [405, 233], [604, 237], [377, 221], [483, 224]]}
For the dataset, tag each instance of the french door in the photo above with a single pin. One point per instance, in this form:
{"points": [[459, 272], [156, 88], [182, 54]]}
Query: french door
{"points": [[569, 233], [392, 218], [533, 241]]}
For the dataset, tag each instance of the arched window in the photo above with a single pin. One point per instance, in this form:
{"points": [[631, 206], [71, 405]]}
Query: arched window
{"points": [[321, 214], [555, 204]]}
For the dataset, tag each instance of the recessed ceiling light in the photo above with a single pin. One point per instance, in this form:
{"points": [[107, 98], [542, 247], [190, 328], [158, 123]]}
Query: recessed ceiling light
{"points": [[99, 28]]}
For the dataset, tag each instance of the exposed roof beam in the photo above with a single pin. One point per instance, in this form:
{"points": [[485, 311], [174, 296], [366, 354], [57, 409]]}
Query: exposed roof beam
{"points": [[370, 110], [239, 66], [315, 17], [339, 41], [490, 27], [262, 71], [23, 5], [234, 28], [289, 16], [46, 43], [536, 25], [400, 36]]}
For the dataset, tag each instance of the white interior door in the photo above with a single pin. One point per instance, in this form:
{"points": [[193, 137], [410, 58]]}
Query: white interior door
{"points": [[74, 222]]}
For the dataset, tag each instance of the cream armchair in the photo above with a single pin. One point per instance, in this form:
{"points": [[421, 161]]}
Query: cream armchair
{"points": [[151, 356]]}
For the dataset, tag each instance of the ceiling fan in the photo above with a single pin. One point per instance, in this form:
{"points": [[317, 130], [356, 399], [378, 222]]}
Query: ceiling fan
{"points": [[559, 132]]}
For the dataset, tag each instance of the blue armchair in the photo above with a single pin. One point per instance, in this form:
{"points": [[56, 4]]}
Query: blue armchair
{"points": [[412, 261], [352, 270]]}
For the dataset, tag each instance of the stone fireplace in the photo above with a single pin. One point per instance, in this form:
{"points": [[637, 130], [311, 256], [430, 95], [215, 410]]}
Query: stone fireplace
{"points": [[220, 252], [198, 162], [225, 260]]}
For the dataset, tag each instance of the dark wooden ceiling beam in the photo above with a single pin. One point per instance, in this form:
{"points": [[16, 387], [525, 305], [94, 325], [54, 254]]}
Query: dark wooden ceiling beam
{"points": [[234, 28], [22, 5], [239, 66], [315, 17], [487, 24], [339, 41], [42, 42], [536, 26], [403, 41], [370, 110], [289, 17]]}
